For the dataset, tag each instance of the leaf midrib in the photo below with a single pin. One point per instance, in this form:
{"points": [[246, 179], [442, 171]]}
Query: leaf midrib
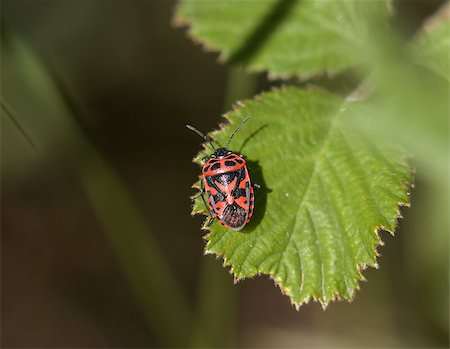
{"points": [[302, 200]]}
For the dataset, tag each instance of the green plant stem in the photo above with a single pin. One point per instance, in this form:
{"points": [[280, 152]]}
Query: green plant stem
{"points": [[217, 299], [240, 85], [151, 279]]}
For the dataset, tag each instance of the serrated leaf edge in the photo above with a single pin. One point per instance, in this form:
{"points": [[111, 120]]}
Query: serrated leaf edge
{"points": [[187, 23]]}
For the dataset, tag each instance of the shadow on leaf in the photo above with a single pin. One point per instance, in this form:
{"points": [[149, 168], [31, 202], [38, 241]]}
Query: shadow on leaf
{"points": [[259, 129], [253, 43], [259, 211]]}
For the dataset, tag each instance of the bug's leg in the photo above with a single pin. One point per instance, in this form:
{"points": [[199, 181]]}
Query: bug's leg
{"points": [[200, 194], [209, 211], [256, 186], [247, 196]]}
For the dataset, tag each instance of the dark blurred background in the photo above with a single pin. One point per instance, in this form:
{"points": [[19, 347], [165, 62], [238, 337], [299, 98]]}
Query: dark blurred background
{"points": [[96, 209]]}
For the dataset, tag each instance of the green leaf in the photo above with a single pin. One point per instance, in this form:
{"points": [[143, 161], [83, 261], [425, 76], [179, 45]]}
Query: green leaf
{"points": [[432, 46], [285, 37], [412, 89], [326, 192]]}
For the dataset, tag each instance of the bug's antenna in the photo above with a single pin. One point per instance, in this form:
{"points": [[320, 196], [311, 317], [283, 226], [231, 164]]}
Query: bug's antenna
{"points": [[206, 138], [235, 131]]}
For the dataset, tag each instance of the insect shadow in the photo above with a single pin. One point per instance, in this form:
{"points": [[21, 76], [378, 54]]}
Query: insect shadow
{"points": [[256, 174], [253, 134]]}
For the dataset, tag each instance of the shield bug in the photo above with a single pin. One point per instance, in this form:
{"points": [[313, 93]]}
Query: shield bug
{"points": [[226, 182]]}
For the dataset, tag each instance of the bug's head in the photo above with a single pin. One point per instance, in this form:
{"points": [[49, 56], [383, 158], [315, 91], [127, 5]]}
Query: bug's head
{"points": [[220, 153]]}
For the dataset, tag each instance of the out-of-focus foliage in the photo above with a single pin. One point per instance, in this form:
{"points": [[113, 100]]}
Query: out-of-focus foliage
{"points": [[410, 90], [432, 46], [285, 38], [48, 115], [29, 138]]}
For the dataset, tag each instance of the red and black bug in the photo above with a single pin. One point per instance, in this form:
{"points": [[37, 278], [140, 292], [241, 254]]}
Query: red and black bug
{"points": [[227, 184]]}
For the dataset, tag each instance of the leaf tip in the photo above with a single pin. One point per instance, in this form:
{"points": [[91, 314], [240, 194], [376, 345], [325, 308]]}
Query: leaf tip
{"points": [[324, 305]]}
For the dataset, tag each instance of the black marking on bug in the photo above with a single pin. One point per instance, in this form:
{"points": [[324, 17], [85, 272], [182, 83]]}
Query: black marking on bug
{"points": [[219, 197], [239, 161], [238, 192], [215, 167], [206, 168], [225, 178], [229, 163]]}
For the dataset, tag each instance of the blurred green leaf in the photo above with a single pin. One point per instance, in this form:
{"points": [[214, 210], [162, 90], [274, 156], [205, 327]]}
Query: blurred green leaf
{"points": [[327, 189], [431, 50], [36, 125], [432, 46], [285, 37], [411, 85]]}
